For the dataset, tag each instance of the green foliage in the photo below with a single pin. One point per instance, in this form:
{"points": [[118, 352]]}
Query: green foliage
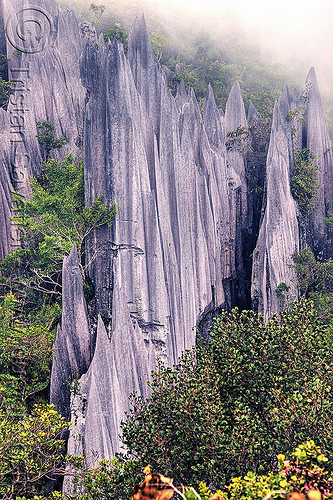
{"points": [[239, 139], [304, 184], [46, 139], [4, 92], [25, 354], [111, 479], [4, 84], [174, 82], [50, 222], [31, 448], [294, 113], [228, 406], [31, 451], [116, 479], [282, 292], [158, 42], [119, 33], [315, 280]]}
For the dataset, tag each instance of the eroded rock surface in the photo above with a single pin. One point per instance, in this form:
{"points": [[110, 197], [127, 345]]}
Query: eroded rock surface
{"points": [[279, 232], [175, 253], [44, 70], [8, 236], [72, 346]]}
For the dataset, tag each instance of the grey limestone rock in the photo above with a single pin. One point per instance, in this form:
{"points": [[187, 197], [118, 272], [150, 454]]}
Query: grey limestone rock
{"points": [[213, 120], [252, 114], [8, 236], [46, 82], [174, 255], [279, 232], [119, 368], [235, 117], [319, 142], [72, 346], [181, 96], [163, 264]]}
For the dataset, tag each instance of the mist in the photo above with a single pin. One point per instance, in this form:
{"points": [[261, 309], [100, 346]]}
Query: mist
{"points": [[295, 33], [292, 31]]}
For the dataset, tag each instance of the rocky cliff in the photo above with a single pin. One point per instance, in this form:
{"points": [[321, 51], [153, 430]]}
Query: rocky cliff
{"points": [[179, 248]]}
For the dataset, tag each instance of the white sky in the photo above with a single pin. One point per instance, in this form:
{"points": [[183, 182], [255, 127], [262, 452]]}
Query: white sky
{"points": [[293, 29]]}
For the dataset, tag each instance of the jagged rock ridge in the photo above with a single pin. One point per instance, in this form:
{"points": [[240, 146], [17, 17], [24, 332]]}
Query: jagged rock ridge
{"points": [[284, 230], [173, 242], [174, 255]]}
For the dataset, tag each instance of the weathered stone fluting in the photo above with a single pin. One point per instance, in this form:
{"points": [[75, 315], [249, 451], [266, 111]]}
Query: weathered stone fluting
{"points": [[279, 233], [176, 251], [72, 346]]}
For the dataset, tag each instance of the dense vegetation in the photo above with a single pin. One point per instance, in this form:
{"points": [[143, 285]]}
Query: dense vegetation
{"points": [[232, 404], [304, 472], [52, 220], [31, 448], [304, 184]]}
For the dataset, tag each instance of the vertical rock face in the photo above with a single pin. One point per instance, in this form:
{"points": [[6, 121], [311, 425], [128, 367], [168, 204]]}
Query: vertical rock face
{"points": [[44, 69], [316, 138], [161, 267], [174, 220], [235, 117], [279, 234], [72, 344], [252, 114], [8, 238], [174, 255], [119, 368]]}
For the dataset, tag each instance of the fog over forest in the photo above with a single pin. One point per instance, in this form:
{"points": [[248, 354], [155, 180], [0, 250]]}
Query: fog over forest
{"points": [[293, 35]]}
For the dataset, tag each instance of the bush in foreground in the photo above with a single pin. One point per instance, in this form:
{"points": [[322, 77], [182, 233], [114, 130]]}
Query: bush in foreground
{"points": [[233, 403]]}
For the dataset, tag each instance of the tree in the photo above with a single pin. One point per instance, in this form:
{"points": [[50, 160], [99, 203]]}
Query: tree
{"points": [[232, 403], [119, 33], [50, 222], [304, 184], [158, 42], [31, 451], [46, 139]]}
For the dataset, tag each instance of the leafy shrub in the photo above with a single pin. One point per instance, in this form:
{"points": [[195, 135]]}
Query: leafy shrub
{"points": [[46, 138], [31, 451], [304, 184], [25, 355], [31, 447], [51, 221], [230, 405], [303, 474], [111, 479]]}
